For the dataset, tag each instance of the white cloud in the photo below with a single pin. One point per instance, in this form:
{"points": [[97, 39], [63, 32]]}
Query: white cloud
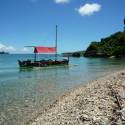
{"points": [[62, 1], [6, 48], [56, 1], [89, 9]]}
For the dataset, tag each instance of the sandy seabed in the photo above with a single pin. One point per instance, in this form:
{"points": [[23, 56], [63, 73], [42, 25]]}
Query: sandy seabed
{"points": [[100, 102]]}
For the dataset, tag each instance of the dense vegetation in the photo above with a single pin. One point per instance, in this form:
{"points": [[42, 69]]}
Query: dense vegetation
{"points": [[113, 45]]}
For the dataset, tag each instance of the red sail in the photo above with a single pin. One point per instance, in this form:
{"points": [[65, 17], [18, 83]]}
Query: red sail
{"points": [[44, 49]]}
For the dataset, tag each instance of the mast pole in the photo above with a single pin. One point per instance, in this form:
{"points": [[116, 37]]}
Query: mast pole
{"points": [[35, 54], [56, 43], [34, 57], [124, 25]]}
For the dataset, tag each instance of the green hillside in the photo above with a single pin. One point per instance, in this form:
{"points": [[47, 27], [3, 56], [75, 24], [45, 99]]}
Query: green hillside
{"points": [[113, 45]]}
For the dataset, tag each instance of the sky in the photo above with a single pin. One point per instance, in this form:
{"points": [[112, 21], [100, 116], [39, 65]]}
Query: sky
{"points": [[33, 22]]}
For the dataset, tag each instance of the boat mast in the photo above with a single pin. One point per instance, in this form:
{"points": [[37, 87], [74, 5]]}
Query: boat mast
{"points": [[124, 25], [56, 43], [35, 57]]}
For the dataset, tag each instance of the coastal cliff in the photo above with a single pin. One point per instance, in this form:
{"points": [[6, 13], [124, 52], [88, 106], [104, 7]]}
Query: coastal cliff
{"points": [[100, 102], [113, 45]]}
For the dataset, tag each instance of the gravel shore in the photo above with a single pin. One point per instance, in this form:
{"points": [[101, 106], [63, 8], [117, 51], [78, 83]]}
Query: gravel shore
{"points": [[100, 102]]}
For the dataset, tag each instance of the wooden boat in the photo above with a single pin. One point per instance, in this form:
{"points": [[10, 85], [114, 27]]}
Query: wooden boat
{"points": [[43, 63]]}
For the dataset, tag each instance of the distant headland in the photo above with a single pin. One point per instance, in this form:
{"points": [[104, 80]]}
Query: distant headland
{"points": [[111, 46], [3, 52], [74, 54]]}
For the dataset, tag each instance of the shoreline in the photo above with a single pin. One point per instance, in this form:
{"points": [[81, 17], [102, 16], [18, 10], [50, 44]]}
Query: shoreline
{"points": [[101, 101]]}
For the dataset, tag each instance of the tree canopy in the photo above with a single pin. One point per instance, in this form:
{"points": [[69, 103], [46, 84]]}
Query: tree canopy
{"points": [[113, 45]]}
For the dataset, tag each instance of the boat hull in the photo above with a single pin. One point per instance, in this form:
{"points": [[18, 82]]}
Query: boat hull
{"points": [[42, 63]]}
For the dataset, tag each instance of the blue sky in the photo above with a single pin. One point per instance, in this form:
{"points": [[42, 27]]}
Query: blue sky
{"points": [[32, 22]]}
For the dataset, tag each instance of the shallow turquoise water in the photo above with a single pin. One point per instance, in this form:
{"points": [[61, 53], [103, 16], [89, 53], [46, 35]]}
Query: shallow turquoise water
{"points": [[23, 93]]}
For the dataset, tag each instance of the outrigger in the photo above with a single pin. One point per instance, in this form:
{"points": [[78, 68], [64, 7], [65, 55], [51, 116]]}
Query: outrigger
{"points": [[43, 63]]}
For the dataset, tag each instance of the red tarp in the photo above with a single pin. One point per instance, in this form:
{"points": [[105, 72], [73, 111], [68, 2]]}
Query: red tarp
{"points": [[44, 49]]}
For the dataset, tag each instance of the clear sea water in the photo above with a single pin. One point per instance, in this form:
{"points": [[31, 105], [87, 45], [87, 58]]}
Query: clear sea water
{"points": [[24, 93]]}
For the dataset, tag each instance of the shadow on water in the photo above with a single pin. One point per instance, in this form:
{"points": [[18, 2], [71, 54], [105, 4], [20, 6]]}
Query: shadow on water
{"points": [[52, 72], [30, 69]]}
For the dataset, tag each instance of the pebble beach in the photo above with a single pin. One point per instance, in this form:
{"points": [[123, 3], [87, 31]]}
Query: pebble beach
{"points": [[100, 102]]}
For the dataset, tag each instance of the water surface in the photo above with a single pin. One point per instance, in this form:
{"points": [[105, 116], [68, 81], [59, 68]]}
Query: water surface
{"points": [[23, 93]]}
